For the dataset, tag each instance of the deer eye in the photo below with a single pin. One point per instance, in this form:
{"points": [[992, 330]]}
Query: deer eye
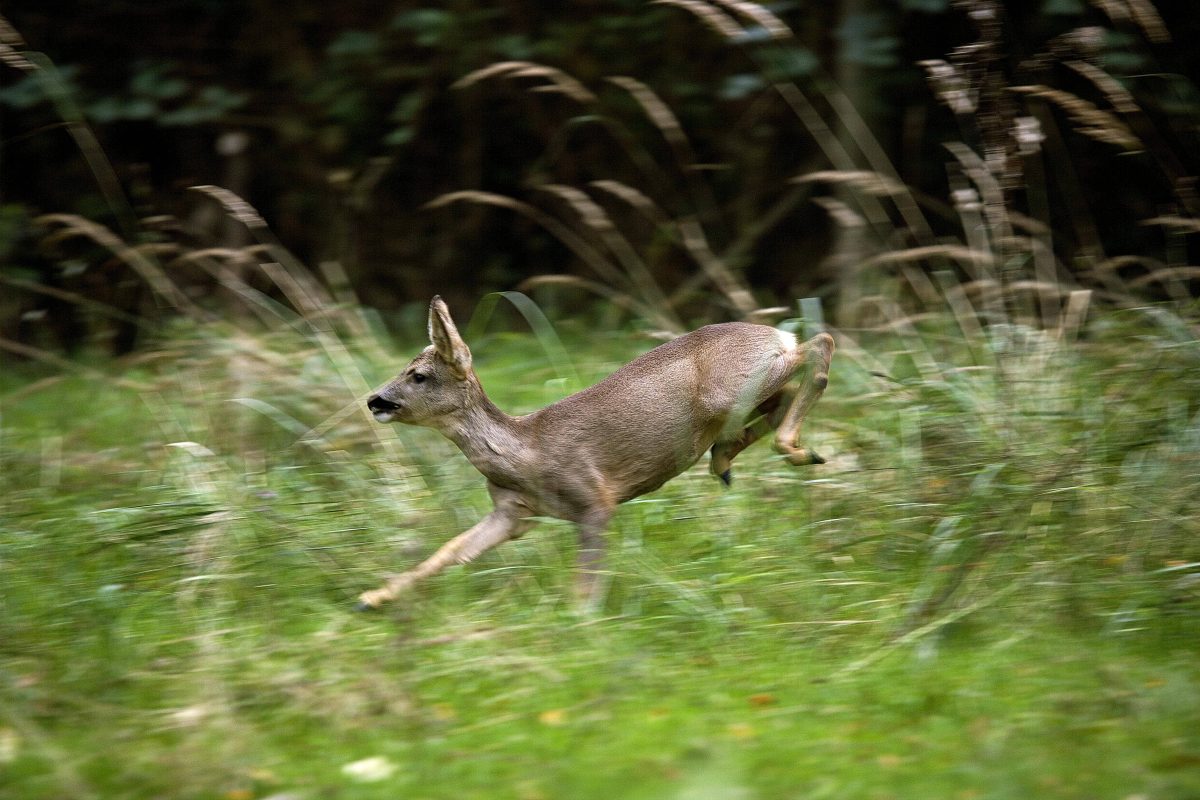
{"points": [[419, 377]]}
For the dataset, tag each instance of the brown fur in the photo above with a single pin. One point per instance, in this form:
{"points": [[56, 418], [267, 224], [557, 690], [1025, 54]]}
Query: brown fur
{"points": [[720, 387]]}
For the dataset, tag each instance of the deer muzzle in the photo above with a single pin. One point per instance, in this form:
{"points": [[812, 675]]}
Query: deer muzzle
{"points": [[382, 409]]}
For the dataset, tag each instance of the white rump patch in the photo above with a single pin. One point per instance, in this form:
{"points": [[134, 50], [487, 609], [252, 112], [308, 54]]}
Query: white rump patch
{"points": [[787, 341]]}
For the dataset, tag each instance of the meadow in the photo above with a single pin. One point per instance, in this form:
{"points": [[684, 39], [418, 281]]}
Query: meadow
{"points": [[991, 590]]}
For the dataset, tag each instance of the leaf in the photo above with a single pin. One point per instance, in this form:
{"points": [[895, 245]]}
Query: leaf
{"points": [[154, 82], [400, 136], [218, 97], [408, 106], [354, 44], [788, 62], [369, 770], [553, 717], [866, 39], [1064, 8], [742, 731], [10, 745], [738, 87], [431, 25]]}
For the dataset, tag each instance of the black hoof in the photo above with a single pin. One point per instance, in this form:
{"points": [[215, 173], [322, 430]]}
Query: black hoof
{"points": [[816, 459], [362, 608], [726, 477]]}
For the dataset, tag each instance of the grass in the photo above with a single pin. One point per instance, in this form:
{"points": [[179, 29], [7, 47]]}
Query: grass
{"points": [[992, 590], [989, 592]]}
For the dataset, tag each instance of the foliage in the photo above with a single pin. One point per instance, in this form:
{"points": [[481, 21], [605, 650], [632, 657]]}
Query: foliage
{"points": [[340, 124], [991, 587], [990, 590]]}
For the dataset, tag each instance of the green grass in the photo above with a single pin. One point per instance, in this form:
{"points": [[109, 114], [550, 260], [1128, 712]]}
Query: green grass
{"points": [[990, 591]]}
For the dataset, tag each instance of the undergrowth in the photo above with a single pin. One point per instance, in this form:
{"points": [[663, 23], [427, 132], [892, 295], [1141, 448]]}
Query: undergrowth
{"points": [[992, 587], [991, 590]]}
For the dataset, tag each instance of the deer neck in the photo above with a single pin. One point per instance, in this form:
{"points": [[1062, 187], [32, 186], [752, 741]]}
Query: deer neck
{"points": [[490, 439]]}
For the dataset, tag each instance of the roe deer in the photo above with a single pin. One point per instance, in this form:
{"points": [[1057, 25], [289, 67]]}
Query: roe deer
{"points": [[720, 387]]}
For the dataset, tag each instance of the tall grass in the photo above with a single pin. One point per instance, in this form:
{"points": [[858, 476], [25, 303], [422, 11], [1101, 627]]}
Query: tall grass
{"points": [[991, 590]]}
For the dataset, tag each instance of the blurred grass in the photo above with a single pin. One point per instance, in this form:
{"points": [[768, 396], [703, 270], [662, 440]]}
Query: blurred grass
{"points": [[992, 590]]}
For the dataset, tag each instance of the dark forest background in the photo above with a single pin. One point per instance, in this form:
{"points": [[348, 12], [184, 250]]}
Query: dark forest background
{"points": [[341, 122]]}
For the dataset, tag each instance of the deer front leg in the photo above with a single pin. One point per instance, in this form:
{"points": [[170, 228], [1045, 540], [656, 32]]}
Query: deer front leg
{"points": [[591, 579], [787, 437], [496, 528]]}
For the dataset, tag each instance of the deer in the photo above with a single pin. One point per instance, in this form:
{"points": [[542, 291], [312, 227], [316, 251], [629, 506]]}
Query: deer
{"points": [[717, 389]]}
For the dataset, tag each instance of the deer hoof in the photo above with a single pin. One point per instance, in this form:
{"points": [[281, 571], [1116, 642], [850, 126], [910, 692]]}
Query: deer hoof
{"points": [[362, 607], [799, 456]]}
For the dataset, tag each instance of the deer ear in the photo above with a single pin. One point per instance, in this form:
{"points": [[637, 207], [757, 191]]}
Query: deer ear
{"points": [[446, 341]]}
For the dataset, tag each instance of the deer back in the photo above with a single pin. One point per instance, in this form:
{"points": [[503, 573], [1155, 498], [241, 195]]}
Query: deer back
{"points": [[655, 416]]}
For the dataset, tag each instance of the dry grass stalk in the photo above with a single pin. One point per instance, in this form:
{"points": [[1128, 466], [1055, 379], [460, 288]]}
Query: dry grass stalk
{"points": [[1042, 288], [1187, 224], [575, 243], [490, 71], [1175, 281], [10, 40], [76, 226], [596, 218], [1146, 16], [1139, 12], [230, 254], [950, 86], [840, 212], [659, 112], [834, 149], [1089, 120], [991, 193], [213, 261], [917, 279], [298, 292], [714, 18], [1166, 274], [1114, 92], [74, 298], [561, 82], [759, 14], [13, 58], [1108, 274], [67, 365], [965, 314], [236, 207], [635, 198], [1074, 315], [954, 252], [620, 299], [663, 118], [9, 34], [590, 212], [152, 250], [739, 297], [871, 183]]}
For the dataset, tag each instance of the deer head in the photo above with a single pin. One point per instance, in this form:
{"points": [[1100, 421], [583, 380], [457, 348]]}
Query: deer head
{"points": [[436, 384]]}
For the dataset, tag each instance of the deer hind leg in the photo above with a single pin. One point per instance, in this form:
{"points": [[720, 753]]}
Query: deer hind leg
{"points": [[769, 413], [494, 529], [787, 438], [591, 580]]}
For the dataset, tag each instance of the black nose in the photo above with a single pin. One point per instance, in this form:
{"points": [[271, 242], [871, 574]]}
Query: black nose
{"points": [[378, 403]]}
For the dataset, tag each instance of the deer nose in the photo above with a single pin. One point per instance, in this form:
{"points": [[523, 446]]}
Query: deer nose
{"points": [[377, 403]]}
